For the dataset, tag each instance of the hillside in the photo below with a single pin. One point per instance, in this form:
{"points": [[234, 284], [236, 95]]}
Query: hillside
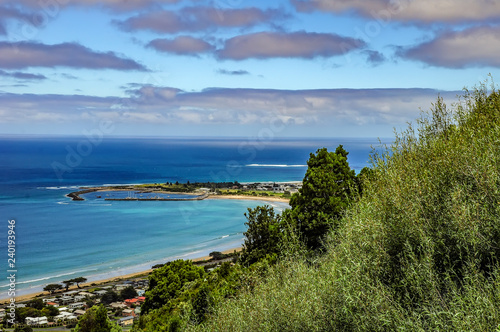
{"points": [[418, 251]]}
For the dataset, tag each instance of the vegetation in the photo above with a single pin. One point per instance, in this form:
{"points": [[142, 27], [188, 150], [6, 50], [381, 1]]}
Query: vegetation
{"points": [[410, 244], [327, 190], [96, 320], [128, 292], [417, 252], [51, 288], [263, 236]]}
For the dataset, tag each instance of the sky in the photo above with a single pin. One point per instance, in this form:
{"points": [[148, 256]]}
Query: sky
{"points": [[284, 68]]}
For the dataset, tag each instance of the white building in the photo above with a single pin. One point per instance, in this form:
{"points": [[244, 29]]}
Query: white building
{"points": [[36, 320], [76, 305], [64, 316]]}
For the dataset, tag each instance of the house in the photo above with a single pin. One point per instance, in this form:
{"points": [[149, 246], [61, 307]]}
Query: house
{"points": [[100, 292], [71, 293], [79, 312], [121, 286], [76, 305], [128, 312], [36, 320], [66, 299], [118, 305], [86, 294], [53, 299], [125, 321], [2, 312], [54, 304], [79, 298], [141, 299], [64, 316], [130, 302]]}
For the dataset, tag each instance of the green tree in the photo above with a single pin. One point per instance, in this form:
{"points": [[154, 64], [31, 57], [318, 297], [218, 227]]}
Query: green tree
{"points": [[216, 255], [263, 234], [166, 282], [36, 303], [327, 189], [68, 283], [96, 320], [51, 288], [50, 311], [78, 281], [109, 297], [128, 293]]}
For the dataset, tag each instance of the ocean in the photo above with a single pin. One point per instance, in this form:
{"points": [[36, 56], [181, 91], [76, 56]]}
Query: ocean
{"points": [[59, 239]]}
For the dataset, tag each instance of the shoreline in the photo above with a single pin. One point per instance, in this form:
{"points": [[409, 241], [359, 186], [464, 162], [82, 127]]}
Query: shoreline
{"points": [[142, 273], [250, 197], [101, 282]]}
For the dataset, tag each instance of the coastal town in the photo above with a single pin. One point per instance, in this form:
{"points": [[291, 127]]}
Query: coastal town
{"points": [[122, 299], [60, 309]]}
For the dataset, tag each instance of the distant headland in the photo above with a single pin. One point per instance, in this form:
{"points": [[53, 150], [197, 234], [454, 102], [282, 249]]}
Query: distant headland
{"points": [[269, 191]]}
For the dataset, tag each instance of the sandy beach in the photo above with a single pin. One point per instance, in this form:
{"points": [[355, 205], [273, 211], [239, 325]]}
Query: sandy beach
{"points": [[28, 297], [248, 197]]}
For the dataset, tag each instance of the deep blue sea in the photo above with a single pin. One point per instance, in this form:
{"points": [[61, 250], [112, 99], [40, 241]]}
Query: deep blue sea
{"points": [[59, 239]]}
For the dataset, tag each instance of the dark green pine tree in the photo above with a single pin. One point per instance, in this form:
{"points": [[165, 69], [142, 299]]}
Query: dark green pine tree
{"points": [[262, 236], [327, 189]]}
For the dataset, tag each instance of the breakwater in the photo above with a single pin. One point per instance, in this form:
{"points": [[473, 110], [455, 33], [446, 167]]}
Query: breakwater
{"points": [[196, 198]]}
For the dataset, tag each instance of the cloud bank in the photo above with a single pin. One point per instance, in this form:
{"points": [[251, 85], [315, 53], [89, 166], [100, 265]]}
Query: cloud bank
{"points": [[305, 45], [225, 106], [116, 5], [423, 11], [31, 54], [474, 47], [192, 19], [182, 45]]}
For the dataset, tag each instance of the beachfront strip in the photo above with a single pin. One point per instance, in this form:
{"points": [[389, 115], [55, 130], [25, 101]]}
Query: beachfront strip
{"points": [[70, 305]]}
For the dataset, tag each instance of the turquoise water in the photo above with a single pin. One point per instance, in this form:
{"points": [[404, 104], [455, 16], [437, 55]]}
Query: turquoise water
{"points": [[59, 239]]}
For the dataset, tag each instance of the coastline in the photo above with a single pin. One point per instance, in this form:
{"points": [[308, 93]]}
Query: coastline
{"points": [[142, 273], [97, 283], [249, 197]]}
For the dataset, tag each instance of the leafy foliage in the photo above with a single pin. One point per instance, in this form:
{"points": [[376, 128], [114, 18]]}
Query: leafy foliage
{"points": [[96, 320], [326, 192], [109, 297], [166, 283], [51, 288], [263, 234], [128, 292]]}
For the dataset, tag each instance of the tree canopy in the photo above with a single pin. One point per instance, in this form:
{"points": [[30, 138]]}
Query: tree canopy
{"points": [[51, 288], [263, 234], [166, 282], [96, 320], [327, 189]]}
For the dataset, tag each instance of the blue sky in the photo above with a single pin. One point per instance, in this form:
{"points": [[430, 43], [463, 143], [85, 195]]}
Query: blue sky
{"points": [[238, 68]]}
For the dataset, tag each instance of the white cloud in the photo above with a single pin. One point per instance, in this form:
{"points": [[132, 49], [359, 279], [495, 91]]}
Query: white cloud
{"points": [[474, 47]]}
